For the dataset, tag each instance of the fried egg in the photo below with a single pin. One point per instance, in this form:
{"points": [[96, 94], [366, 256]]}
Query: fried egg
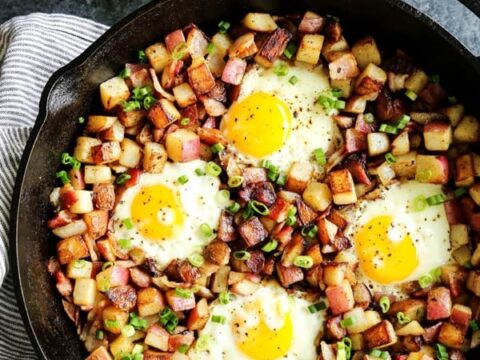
{"points": [[277, 121], [163, 216], [394, 242], [269, 324]]}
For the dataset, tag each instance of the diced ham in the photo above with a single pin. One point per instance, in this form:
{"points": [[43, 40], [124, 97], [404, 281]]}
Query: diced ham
{"points": [[343, 67], [252, 175], [226, 230], [311, 23], [252, 231], [234, 71], [355, 141], [288, 275], [340, 298], [334, 330], [439, 303]]}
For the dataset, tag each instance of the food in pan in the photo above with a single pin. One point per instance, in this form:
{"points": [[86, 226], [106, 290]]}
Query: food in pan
{"points": [[276, 190]]}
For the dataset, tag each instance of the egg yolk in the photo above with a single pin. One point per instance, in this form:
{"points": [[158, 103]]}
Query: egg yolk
{"points": [[157, 212], [381, 259], [258, 125], [260, 342]]}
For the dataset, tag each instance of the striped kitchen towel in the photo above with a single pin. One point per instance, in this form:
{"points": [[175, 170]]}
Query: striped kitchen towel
{"points": [[31, 48]]}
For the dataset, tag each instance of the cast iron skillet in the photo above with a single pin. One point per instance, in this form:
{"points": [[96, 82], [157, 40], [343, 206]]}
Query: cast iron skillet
{"points": [[73, 91]]}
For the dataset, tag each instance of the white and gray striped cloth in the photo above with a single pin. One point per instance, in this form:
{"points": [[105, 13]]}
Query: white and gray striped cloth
{"points": [[31, 48]]}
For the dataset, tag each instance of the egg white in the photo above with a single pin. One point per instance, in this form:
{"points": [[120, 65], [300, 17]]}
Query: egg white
{"points": [[429, 228], [311, 128], [199, 199], [270, 295]]}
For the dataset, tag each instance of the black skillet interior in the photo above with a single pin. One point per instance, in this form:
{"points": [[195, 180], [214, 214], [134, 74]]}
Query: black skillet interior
{"points": [[72, 92]]}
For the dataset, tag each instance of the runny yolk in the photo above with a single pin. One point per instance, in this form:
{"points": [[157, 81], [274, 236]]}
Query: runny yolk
{"points": [[381, 259], [157, 212], [258, 125]]}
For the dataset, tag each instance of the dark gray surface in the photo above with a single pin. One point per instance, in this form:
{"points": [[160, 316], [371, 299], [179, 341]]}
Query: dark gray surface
{"points": [[451, 14]]}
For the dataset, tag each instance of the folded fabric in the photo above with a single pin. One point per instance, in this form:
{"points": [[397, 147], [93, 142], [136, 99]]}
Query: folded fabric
{"points": [[31, 48]]}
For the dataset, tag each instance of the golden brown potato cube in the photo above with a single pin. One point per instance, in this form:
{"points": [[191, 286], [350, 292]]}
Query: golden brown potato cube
{"points": [[416, 81], [413, 328], [343, 66], [454, 113], [158, 56], [310, 48], [183, 145], [259, 22], [149, 301], [197, 44], [131, 153], [467, 130], [371, 80], [154, 157], [476, 164], [100, 353], [222, 43], [83, 149], [342, 187], [199, 315], [451, 336], [107, 152], [401, 144], [72, 248], [458, 235], [201, 78], [84, 292], [244, 46], [462, 255], [98, 123], [115, 133], [385, 173], [97, 174], [366, 51], [113, 92], [344, 85], [184, 95], [380, 336], [317, 195], [432, 169], [356, 105], [298, 176], [464, 174], [378, 143], [131, 118], [157, 337], [330, 48], [114, 319], [473, 282]]}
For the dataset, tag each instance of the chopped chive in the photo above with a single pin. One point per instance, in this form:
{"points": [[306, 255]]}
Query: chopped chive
{"points": [[113, 324], [303, 261], [293, 80], [125, 244], [128, 223], [340, 104], [206, 230], [270, 246], [185, 121], [148, 101], [213, 169], [81, 120], [63, 176], [137, 323], [125, 73], [441, 352], [168, 319], [425, 281], [131, 105], [389, 129], [384, 303], [319, 156], [183, 293], [223, 27], [224, 297], [235, 181], [211, 48], [259, 207], [107, 265], [196, 260], [290, 50], [281, 69], [234, 208], [142, 57], [436, 199], [123, 178], [291, 216], [241, 255], [216, 148], [349, 321], [182, 179], [423, 175], [141, 92], [219, 319], [317, 307], [390, 159], [199, 172], [411, 95]]}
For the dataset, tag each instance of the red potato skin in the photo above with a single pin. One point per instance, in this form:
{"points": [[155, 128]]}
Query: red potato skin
{"points": [[119, 276], [311, 25], [234, 71], [63, 283], [123, 297], [461, 316], [173, 39], [355, 141], [62, 218], [454, 212], [288, 275], [439, 304], [184, 338], [279, 210]]}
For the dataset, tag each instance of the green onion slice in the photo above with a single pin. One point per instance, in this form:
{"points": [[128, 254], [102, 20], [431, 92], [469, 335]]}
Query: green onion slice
{"points": [[182, 179], [389, 129], [317, 307], [219, 319], [270, 246], [128, 223], [411, 95], [319, 156], [63, 176], [241, 255], [196, 259], [223, 27], [235, 181], [390, 159], [303, 261], [234, 208], [436, 199], [217, 148], [280, 69], [290, 50], [183, 293], [349, 321], [206, 230], [224, 297], [213, 169], [384, 303], [259, 207], [128, 331]]}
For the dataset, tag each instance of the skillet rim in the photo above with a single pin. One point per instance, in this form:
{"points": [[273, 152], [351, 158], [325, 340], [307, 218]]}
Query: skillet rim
{"points": [[43, 114]]}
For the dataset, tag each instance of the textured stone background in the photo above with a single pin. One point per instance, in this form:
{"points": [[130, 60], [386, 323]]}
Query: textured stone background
{"points": [[451, 14]]}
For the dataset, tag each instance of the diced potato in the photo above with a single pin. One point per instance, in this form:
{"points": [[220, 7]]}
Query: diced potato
{"points": [[371, 80], [356, 105], [113, 92], [84, 292], [385, 173], [310, 48], [79, 269], [183, 145], [360, 321], [458, 235], [432, 169], [259, 22], [454, 113], [100, 353], [76, 227], [406, 165], [343, 66], [115, 133], [378, 143], [184, 95], [158, 56], [464, 174], [216, 64], [222, 43], [476, 164], [317, 196], [462, 255], [131, 118], [154, 157], [342, 187], [413, 328], [326, 231], [380, 335], [467, 130], [121, 345], [473, 282], [401, 144], [107, 152], [163, 113], [84, 203], [83, 149], [298, 176], [149, 301], [114, 319], [344, 85], [366, 51], [330, 48], [197, 44], [199, 316], [437, 136], [334, 274], [97, 174], [416, 81], [157, 337], [131, 153], [243, 46], [98, 123]]}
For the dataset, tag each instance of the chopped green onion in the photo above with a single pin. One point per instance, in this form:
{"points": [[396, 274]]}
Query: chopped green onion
{"points": [[435, 78], [141, 92], [125, 244], [203, 342], [291, 216], [137, 323], [452, 100], [217, 148], [411, 95], [81, 120], [213, 169], [247, 212], [234, 208], [368, 118], [80, 264], [309, 231], [281, 179], [390, 159], [148, 101], [182, 349], [436, 274], [384, 303], [259, 207], [319, 156], [179, 51], [241, 255], [235, 181], [402, 318], [425, 281], [340, 104], [99, 335], [206, 230], [211, 48], [123, 178], [459, 192], [436, 199], [185, 121], [63, 176], [272, 175], [312, 309], [182, 179], [376, 353], [137, 357], [168, 319], [223, 27], [349, 321], [196, 259], [126, 72], [128, 223], [293, 80], [281, 69], [303, 261], [442, 353], [141, 56], [219, 319], [403, 121], [423, 175], [474, 325], [183, 293], [66, 159], [128, 331], [341, 354], [137, 349], [290, 50], [113, 324], [107, 265], [329, 100], [389, 129], [224, 297], [345, 346], [224, 196], [270, 246], [199, 172], [131, 105]]}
